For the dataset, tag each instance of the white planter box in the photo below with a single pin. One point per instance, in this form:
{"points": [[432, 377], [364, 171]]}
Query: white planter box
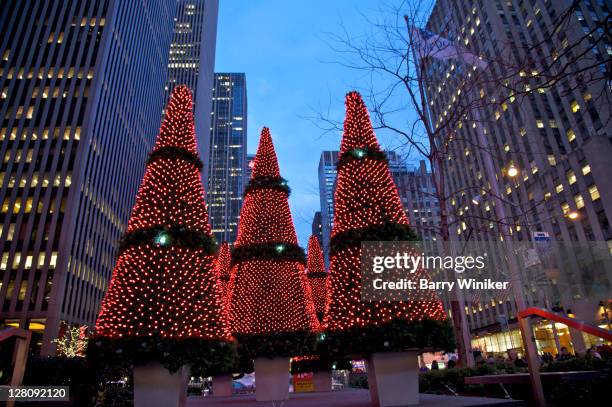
{"points": [[155, 386], [393, 378], [322, 381], [271, 379], [222, 385]]}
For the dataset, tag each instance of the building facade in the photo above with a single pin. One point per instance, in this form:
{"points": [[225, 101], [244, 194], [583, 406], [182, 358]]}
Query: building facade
{"points": [[418, 194], [250, 162], [327, 185], [556, 138], [317, 226], [192, 62], [227, 158], [82, 88]]}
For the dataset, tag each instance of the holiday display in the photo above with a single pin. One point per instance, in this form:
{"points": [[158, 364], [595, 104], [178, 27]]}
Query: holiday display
{"points": [[368, 208], [317, 276], [162, 303], [270, 303], [222, 266]]}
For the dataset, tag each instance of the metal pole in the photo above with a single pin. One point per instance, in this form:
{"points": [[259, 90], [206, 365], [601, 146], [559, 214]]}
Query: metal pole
{"points": [[524, 323], [556, 337], [519, 299], [459, 303]]}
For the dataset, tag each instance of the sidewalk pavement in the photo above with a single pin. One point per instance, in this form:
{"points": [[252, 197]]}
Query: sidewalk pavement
{"points": [[345, 398]]}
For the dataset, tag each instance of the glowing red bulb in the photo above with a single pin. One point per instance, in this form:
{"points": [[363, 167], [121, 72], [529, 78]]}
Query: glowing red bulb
{"points": [[268, 289], [167, 287], [365, 198]]}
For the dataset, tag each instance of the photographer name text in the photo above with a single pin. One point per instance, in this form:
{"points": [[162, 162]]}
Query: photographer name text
{"points": [[426, 284]]}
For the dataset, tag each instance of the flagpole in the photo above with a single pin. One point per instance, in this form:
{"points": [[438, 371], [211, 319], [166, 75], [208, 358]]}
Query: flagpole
{"points": [[458, 305], [515, 276]]}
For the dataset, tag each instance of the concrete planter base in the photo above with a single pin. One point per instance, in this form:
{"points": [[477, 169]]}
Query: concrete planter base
{"points": [[322, 381], [155, 386], [222, 385], [394, 379], [271, 379]]}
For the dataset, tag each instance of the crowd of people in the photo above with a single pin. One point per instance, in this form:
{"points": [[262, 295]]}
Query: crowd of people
{"points": [[513, 357]]}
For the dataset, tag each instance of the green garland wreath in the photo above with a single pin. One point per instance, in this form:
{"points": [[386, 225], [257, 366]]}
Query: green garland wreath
{"points": [[205, 357], [175, 235], [358, 154], [173, 152], [396, 336], [386, 232], [265, 182], [283, 344], [320, 274], [280, 251]]}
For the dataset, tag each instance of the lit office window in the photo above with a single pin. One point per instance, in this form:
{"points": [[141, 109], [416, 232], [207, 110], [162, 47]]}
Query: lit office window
{"points": [[579, 201], [594, 192]]}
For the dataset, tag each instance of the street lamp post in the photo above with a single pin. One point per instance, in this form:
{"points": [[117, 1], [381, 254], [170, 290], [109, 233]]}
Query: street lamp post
{"points": [[457, 305]]}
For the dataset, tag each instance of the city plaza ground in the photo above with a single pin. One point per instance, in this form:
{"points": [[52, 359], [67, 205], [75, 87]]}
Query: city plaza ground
{"points": [[345, 398]]}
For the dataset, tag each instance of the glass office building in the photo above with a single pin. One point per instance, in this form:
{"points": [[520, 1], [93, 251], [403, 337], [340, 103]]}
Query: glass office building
{"points": [[81, 90], [228, 159], [192, 62]]}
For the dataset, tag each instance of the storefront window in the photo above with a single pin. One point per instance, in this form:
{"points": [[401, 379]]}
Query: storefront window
{"points": [[592, 340], [498, 344], [545, 337]]}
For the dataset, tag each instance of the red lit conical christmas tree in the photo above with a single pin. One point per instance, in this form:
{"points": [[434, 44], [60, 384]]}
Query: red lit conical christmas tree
{"points": [[317, 276], [368, 208], [269, 291], [222, 266], [222, 270], [163, 292]]}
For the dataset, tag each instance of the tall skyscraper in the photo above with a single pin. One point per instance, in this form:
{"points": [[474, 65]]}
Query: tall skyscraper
{"points": [[558, 137], [250, 162], [228, 163], [327, 185], [317, 225], [82, 88], [418, 195], [192, 62]]}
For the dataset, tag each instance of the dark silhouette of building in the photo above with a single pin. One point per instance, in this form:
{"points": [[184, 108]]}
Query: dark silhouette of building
{"points": [[82, 87]]}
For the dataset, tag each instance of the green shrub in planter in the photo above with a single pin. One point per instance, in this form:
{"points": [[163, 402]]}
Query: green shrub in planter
{"points": [[576, 364], [117, 396], [575, 392], [87, 386], [445, 380], [62, 371], [395, 336]]}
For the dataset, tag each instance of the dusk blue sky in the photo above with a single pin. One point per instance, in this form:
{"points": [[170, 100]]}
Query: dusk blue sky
{"points": [[282, 46]]}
